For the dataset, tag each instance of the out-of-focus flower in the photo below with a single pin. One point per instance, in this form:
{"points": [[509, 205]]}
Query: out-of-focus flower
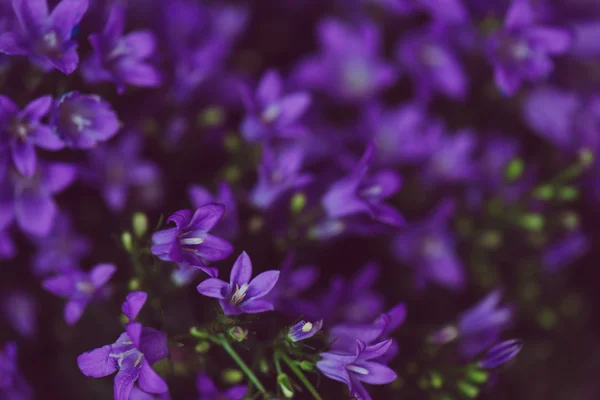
{"points": [[429, 248], [432, 63], [501, 353], [208, 390], [12, 384], [116, 168], [452, 160], [20, 309], [45, 37], [228, 226], [354, 369], [131, 356], [21, 131], [521, 50], [30, 200], [565, 251], [241, 294], [304, 330], [83, 120], [349, 67], [189, 242], [79, 287], [270, 112], [279, 172], [7, 247], [119, 58], [61, 249]]}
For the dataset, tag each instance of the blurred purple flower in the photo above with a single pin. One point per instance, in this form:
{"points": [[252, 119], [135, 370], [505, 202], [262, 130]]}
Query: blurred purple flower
{"points": [[241, 295], [501, 353], [208, 390], [21, 131], [304, 330], [349, 67], [83, 120], [30, 200], [7, 247], [45, 37], [79, 287], [428, 247], [353, 369], [189, 242], [521, 49], [270, 113], [20, 309], [119, 58], [452, 160], [12, 384], [131, 356], [228, 226], [565, 251]]}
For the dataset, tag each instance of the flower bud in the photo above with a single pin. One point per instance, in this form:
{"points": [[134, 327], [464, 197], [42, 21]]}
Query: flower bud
{"points": [[501, 353], [127, 241], [139, 221], [232, 376], [307, 366], [298, 202], [202, 347], [286, 386], [238, 333], [303, 330], [198, 333], [468, 390]]}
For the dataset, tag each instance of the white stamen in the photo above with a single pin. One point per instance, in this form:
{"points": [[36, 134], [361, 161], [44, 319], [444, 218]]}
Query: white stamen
{"points": [[358, 370], [85, 287], [240, 293], [191, 241], [50, 39], [271, 113], [80, 122], [307, 327]]}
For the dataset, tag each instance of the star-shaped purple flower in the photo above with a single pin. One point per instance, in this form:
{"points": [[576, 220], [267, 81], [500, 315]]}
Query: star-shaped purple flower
{"points": [[21, 131], [241, 295], [208, 390], [121, 58], [189, 242], [131, 356], [80, 288], [45, 37]]}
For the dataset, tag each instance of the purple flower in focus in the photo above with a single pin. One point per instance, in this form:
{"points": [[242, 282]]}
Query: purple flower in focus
{"points": [[429, 248], [228, 226], [189, 242], [20, 309], [121, 58], [354, 369], [45, 37], [12, 384], [432, 63], [118, 167], [270, 112], [501, 353], [208, 390], [21, 131], [30, 200], [241, 295], [349, 67], [521, 50], [359, 193], [131, 356], [278, 173], [304, 330], [79, 287], [61, 249], [83, 120]]}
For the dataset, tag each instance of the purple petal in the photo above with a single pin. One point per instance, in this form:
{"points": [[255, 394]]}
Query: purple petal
{"points": [[236, 393], [214, 248], [180, 218], [97, 363], [32, 14], [115, 196], [254, 306], [141, 44], [241, 271], [262, 284], [58, 176], [507, 82], [67, 64], [269, 88], [553, 40], [150, 381], [334, 369], [101, 273], [35, 213], [379, 374], [133, 304], [66, 15], [36, 109], [519, 15], [139, 74], [292, 107], [9, 44], [206, 217], [134, 331], [213, 287], [62, 285], [199, 196], [74, 310], [205, 385], [115, 24], [124, 383], [166, 236], [8, 107], [375, 351], [154, 344], [24, 157], [44, 137]]}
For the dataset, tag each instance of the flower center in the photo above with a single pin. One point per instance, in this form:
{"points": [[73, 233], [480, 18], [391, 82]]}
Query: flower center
{"points": [[85, 287], [128, 359], [307, 327], [50, 45], [432, 55], [239, 294], [358, 370], [80, 122], [191, 241], [271, 113]]}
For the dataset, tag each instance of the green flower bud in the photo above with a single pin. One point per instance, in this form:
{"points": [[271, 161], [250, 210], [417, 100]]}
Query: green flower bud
{"points": [[202, 347], [286, 386], [298, 202], [198, 333], [467, 389], [127, 241], [586, 157], [238, 333], [232, 143], [436, 380], [307, 366], [134, 284], [477, 376], [514, 169], [544, 192], [211, 116], [532, 222], [140, 224], [568, 193], [232, 376]]}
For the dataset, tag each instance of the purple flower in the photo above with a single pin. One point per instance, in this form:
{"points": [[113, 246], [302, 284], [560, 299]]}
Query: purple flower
{"points": [[429, 248], [241, 295], [359, 193], [131, 356], [452, 160], [7, 247], [521, 50], [30, 201], [21, 131], [304, 330], [84, 120], [272, 114], [228, 226], [432, 63], [349, 67], [61, 249], [45, 38], [20, 309], [117, 167], [501, 353], [12, 384], [189, 242], [565, 251], [79, 287], [354, 369], [121, 58], [278, 173], [208, 390]]}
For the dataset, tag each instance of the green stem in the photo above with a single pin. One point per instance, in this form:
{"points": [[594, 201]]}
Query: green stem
{"points": [[225, 344], [299, 374]]}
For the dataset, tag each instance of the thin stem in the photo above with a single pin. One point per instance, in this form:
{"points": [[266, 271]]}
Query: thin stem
{"points": [[299, 374], [225, 344]]}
